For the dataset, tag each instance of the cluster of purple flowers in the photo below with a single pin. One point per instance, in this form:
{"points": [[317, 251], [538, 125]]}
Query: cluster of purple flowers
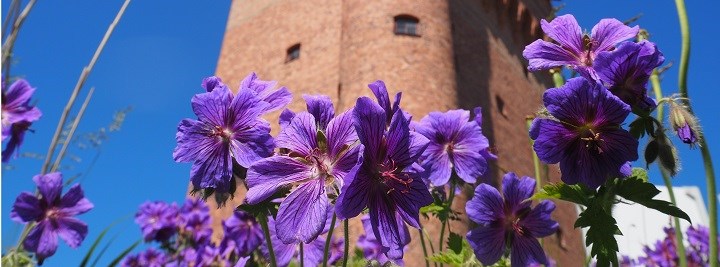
{"points": [[17, 115], [53, 215], [368, 157], [185, 234], [664, 252], [583, 130]]}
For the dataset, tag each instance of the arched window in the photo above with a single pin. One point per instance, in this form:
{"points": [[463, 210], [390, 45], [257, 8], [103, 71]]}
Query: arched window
{"points": [[407, 25], [293, 53]]}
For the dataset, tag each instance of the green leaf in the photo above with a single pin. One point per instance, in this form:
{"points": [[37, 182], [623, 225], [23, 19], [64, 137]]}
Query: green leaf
{"points": [[455, 243], [122, 255], [640, 173], [102, 234], [642, 192], [651, 152], [447, 257], [601, 232], [577, 193]]}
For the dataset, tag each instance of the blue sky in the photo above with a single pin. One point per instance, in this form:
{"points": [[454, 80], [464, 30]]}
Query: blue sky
{"points": [[155, 61]]}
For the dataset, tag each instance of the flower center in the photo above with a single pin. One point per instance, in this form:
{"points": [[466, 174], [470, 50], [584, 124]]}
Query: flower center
{"points": [[222, 133], [53, 214], [592, 139], [393, 178], [588, 43]]}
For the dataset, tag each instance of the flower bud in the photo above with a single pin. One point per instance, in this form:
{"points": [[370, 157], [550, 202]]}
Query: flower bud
{"points": [[684, 123]]}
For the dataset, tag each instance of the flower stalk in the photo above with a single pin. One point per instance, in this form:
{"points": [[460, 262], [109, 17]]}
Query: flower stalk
{"points": [[705, 151], [449, 205], [655, 81], [326, 253], [346, 231], [266, 230]]}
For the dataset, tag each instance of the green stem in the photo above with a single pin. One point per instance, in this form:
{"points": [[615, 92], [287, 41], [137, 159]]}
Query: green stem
{"points": [[328, 240], [422, 242], [262, 219], [709, 170], [432, 248], [558, 78], [447, 220], [655, 80], [536, 165], [302, 255], [346, 250]]}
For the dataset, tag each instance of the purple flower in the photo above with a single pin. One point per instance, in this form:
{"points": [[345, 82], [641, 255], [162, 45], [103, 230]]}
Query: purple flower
{"points": [[584, 133], [198, 228], [684, 123], [131, 261], [509, 221], [157, 220], [388, 183], [54, 215], [193, 207], [456, 143], [322, 152], [626, 70], [573, 48], [266, 91], [371, 247], [152, 258], [228, 127], [17, 114], [284, 253], [185, 258], [242, 234]]}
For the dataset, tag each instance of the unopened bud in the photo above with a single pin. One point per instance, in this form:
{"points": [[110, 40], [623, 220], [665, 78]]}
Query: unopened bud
{"points": [[684, 123]]}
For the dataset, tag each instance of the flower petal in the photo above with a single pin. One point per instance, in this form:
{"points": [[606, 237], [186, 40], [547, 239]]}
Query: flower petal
{"points": [[26, 208], [285, 117], [303, 213], [213, 170], [554, 142], [387, 226], [17, 95], [517, 190], [72, 230], [538, 222], [609, 32], [212, 107], [542, 55], [211, 82], [488, 243], [486, 205], [43, 240], [49, 185], [264, 90], [525, 250], [369, 122], [404, 147], [321, 107], [74, 201], [354, 196], [252, 144], [340, 133], [437, 163], [381, 93], [566, 31], [300, 135], [266, 176], [410, 202]]}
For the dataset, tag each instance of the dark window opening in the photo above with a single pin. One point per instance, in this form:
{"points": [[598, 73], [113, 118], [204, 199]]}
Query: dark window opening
{"points": [[407, 25], [293, 53]]}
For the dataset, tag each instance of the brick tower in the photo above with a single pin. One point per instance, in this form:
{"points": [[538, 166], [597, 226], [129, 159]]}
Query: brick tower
{"points": [[442, 54]]}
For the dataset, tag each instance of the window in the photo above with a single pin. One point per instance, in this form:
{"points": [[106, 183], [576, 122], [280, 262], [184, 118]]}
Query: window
{"points": [[293, 53], [407, 25]]}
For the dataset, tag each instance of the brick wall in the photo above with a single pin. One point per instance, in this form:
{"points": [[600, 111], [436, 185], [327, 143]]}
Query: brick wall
{"points": [[469, 53]]}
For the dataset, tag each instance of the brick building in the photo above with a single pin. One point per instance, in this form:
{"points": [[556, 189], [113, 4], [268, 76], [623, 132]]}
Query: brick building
{"points": [[441, 54]]}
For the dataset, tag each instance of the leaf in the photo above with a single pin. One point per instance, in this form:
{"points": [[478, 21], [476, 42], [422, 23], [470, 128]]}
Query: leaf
{"points": [[640, 173], [643, 192], [637, 128], [97, 242], [601, 232], [651, 152], [455, 242], [667, 154], [447, 257], [122, 255], [577, 193]]}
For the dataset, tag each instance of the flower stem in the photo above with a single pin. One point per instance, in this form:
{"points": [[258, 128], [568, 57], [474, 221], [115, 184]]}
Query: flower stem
{"points": [[302, 255], [709, 170], [536, 165], [449, 205], [328, 240], [346, 250], [264, 224], [655, 80], [422, 242], [558, 78], [432, 248]]}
